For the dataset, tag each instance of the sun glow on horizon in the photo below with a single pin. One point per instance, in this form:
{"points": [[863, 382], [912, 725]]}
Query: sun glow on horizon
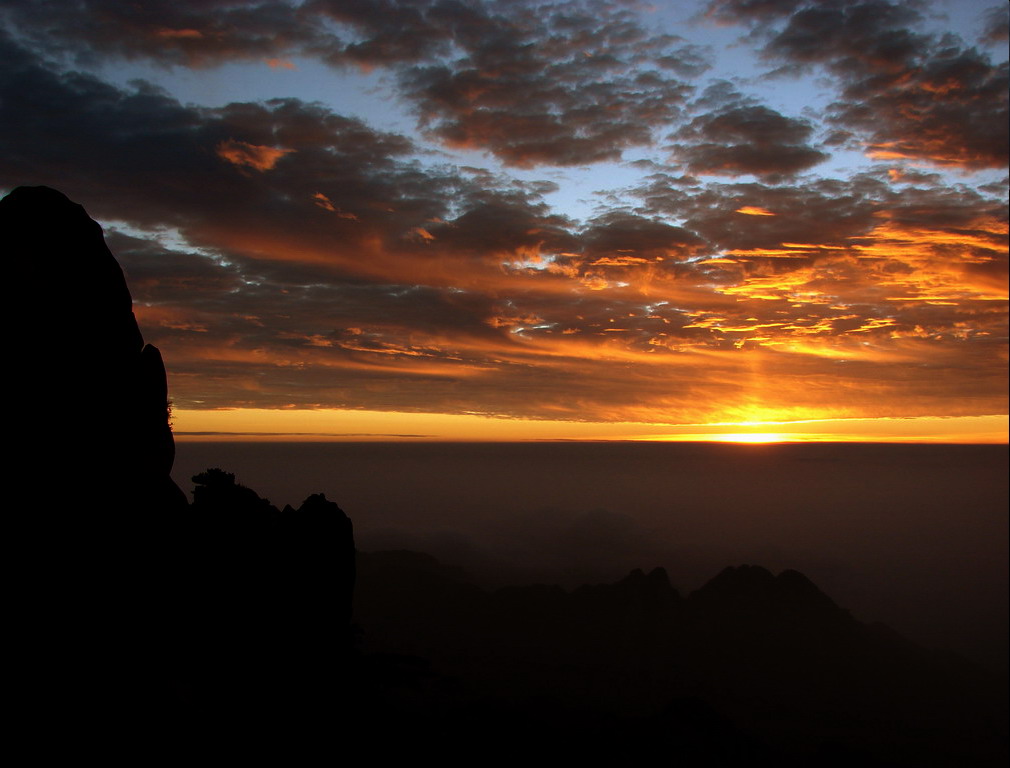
{"points": [[752, 437], [538, 221], [254, 424]]}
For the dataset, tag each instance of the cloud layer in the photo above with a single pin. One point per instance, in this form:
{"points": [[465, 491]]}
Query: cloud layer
{"points": [[283, 254]]}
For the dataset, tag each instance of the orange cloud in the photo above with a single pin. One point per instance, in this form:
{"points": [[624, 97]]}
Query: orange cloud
{"points": [[754, 210], [768, 253], [324, 202], [178, 34], [619, 261], [420, 233], [243, 154], [942, 151]]}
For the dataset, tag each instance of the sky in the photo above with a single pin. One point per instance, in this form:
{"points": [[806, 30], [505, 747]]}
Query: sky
{"points": [[448, 219]]}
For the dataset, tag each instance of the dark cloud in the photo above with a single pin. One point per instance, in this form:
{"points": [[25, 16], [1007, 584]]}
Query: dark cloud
{"points": [[912, 176], [828, 212], [746, 139], [620, 239], [198, 33], [337, 186], [688, 60], [565, 84], [173, 33], [391, 32], [502, 226], [997, 25], [952, 111], [575, 83], [910, 95], [163, 275], [264, 334], [530, 82], [290, 208], [855, 37], [825, 211], [732, 11], [997, 189]]}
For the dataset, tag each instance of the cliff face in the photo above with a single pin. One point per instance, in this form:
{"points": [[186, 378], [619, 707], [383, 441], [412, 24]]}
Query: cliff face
{"points": [[138, 617], [91, 397], [96, 519]]}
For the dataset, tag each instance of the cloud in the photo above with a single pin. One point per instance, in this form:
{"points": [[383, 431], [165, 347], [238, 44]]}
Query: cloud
{"points": [[826, 211], [561, 84], [746, 139], [391, 31], [997, 25], [502, 225], [283, 254], [188, 33], [578, 83], [531, 82], [147, 159], [175, 34], [732, 11], [243, 154], [908, 95], [620, 235]]}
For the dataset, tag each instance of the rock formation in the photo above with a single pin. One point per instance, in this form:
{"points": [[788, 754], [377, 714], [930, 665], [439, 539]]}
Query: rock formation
{"points": [[92, 398], [139, 619], [268, 590], [139, 615], [98, 514]]}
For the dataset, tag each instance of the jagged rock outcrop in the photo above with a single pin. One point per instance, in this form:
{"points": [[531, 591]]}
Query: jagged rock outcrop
{"points": [[322, 562], [268, 602]]}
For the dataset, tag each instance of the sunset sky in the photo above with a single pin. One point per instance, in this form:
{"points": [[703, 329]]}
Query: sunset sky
{"points": [[512, 220]]}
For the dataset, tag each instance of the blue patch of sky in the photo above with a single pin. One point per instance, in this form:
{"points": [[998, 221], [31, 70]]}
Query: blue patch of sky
{"points": [[169, 238], [350, 92], [965, 18]]}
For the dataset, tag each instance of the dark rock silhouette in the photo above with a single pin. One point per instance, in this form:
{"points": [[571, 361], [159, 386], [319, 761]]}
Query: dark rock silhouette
{"points": [[99, 512], [140, 618], [85, 362], [268, 607]]}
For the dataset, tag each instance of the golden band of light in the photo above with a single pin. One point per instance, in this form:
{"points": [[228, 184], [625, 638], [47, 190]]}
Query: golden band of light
{"points": [[334, 425]]}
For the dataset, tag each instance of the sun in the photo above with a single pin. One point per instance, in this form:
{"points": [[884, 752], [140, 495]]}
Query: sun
{"points": [[752, 437]]}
